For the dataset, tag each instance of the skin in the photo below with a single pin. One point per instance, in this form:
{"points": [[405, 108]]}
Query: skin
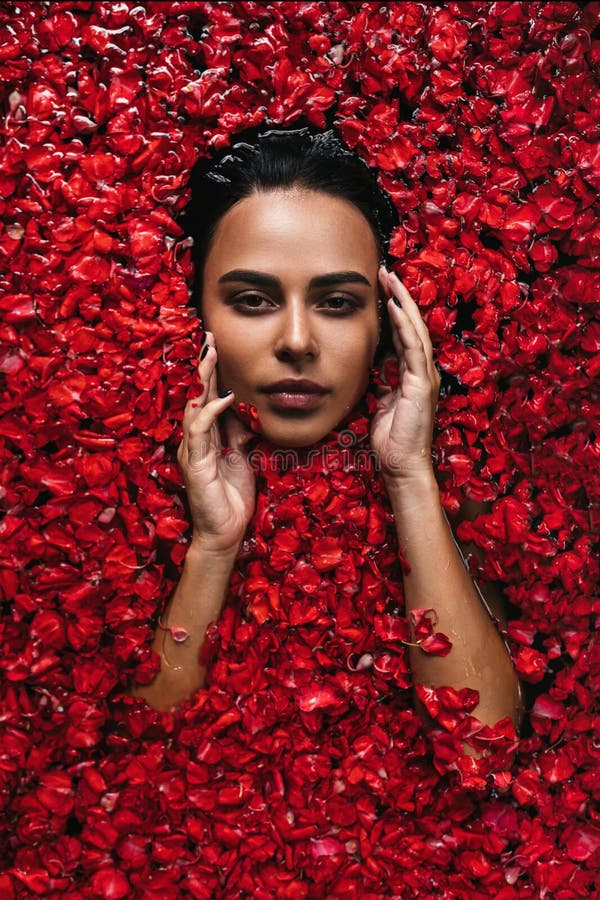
{"points": [[295, 236], [327, 334]]}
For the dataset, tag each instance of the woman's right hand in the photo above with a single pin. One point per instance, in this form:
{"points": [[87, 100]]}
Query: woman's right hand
{"points": [[221, 490]]}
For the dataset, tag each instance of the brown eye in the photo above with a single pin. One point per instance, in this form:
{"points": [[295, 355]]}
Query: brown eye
{"points": [[341, 304], [252, 300], [251, 303]]}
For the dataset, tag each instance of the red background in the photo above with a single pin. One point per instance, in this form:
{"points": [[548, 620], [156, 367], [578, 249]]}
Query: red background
{"points": [[482, 120]]}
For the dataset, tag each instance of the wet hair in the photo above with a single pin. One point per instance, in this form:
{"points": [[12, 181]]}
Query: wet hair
{"points": [[276, 158]]}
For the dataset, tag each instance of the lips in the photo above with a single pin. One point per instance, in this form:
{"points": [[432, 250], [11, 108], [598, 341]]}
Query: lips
{"points": [[295, 386], [295, 393]]}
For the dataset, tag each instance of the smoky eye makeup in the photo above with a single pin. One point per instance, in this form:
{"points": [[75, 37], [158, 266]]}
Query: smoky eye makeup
{"points": [[254, 293], [340, 304], [250, 303]]}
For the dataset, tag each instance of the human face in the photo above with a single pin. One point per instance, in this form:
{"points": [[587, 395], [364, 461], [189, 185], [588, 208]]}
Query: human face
{"points": [[290, 291]]}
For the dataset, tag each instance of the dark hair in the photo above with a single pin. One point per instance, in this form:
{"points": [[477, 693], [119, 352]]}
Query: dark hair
{"points": [[263, 160]]}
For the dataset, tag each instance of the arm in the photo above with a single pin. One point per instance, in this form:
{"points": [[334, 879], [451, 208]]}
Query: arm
{"points": [[196, 603], [401, 433], [490, 591], [439, 579], [221, 495]]}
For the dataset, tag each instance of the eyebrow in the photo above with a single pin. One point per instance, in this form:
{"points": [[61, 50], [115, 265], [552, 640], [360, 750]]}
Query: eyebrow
{"points": [[261, 279]]}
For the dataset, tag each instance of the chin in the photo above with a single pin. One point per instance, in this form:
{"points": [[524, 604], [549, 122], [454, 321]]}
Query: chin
{"points": [[295, 434], [292, 442]]}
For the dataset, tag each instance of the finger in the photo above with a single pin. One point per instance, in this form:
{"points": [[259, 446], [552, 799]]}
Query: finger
{"points": [[191, 410], [235, 456], [200, 431], [235, 432], [207, 365], [382, 274], [410, 342], [399, 290], [182, 451]]}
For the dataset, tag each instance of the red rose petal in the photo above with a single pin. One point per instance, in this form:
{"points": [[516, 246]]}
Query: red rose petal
{"points": [[111, 883], [326, 553], [583, 842], [302, 768], [316, 696]]}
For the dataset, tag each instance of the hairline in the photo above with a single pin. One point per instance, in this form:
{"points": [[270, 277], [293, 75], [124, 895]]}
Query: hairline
{"points": [[299, 187]]}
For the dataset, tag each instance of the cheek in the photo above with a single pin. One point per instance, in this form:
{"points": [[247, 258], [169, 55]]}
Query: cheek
{"points": [[233, 341], [242, 355], [366, 345], [235, 362], [352, 357]]}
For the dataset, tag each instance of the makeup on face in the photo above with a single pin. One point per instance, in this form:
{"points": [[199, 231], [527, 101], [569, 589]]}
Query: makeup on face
{"points": [[290, 293]]}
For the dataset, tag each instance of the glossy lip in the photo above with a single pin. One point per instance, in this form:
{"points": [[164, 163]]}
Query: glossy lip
{"points": [[295, 393], [299, 386]]}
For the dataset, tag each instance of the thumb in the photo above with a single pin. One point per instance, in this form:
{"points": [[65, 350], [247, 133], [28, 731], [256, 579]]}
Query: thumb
{"points": [[240, 472], [235, 432]]}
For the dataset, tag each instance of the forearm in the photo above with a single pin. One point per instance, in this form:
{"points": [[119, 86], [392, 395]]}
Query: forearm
{"points": [[197, 601], [438, 579]]}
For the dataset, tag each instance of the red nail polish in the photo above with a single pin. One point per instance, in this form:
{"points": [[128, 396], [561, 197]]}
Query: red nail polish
{"points": [[194, 405]]}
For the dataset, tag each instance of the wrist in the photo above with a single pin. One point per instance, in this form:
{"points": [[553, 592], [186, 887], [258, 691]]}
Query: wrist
{"points": [[421, 476], [412, 487], [204, 549]]}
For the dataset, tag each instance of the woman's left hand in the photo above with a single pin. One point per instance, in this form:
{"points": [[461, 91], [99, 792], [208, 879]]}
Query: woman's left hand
{"points": [[402, 427]]}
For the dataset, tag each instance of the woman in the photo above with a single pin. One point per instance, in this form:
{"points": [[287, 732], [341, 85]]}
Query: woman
{"points": [[296, 306]]}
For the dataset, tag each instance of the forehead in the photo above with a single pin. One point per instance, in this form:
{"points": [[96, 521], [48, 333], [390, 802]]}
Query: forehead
{"points": [[293, 229]]}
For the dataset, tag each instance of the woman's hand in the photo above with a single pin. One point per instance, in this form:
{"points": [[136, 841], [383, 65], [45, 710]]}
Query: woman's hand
{"points": [[402, 427], [221, 489]]}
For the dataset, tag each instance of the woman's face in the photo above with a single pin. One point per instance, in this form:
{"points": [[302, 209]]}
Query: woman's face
{"points": [[290, 292]]}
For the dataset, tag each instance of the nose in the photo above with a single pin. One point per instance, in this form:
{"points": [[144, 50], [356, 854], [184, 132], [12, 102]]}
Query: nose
{"points": [[296, 338]]}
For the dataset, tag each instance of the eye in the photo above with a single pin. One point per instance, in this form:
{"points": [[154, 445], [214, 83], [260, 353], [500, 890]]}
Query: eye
{"points": [[250, 303], [340, 304]]}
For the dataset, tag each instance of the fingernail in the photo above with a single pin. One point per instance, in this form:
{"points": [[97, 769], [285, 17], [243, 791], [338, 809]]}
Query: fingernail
{"points": [[396, 301], [223, 394], [205, 351]]}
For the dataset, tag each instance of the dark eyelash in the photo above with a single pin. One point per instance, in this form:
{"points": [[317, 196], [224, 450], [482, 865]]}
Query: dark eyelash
{"points": [[350, 304], [247, 297], [349, 301], [241, 301]]}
